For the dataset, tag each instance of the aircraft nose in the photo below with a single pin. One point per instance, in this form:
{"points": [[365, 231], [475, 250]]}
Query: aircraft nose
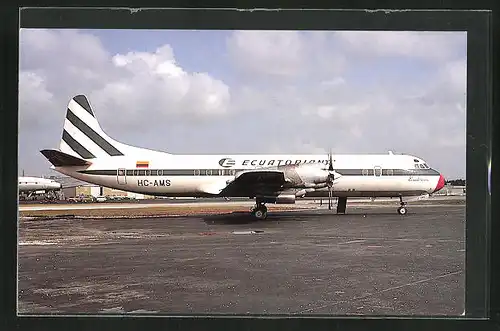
{"points": [[440, 183]]}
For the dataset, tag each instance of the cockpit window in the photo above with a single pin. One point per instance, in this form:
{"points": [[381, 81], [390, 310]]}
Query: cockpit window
{"points": [[421, 166]]}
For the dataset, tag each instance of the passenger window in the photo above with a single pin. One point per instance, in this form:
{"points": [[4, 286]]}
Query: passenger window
{"points": [[390, 172], [365, 172], [196, 172], [209, 172], [148, 172], [160, 172]]}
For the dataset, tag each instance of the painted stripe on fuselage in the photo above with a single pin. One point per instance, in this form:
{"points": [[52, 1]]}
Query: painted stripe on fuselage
{"points": [[231, 172], [76, 146], [92, 135]]}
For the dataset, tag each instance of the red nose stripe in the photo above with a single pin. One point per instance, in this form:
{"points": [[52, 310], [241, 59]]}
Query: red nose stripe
{"points": [[440, 183]]}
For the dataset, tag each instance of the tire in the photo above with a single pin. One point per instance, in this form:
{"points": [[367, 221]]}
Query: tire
{"points": [[260, 213], [402, 211]]}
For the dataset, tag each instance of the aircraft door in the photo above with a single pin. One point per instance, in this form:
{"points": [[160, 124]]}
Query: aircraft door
{"points": [[121, 176]]}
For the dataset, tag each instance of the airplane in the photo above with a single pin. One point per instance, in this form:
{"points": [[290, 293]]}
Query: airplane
{"points": [[34, 184], [87, 153]]}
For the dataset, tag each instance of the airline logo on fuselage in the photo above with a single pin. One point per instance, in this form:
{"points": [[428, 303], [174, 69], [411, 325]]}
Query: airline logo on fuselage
{"points": [[417, 179], [279, 162], [228, 162]]}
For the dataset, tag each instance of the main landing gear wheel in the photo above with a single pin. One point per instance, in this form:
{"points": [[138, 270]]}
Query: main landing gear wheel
{"points": [[402, 210], [260, 212]]}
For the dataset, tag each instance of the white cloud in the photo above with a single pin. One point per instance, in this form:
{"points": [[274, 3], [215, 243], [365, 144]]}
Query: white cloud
{"points": [[283, 54], [77, 62], [290, 92], [455, 74], [426, 45], [335, 108], [273, 52], [36, 104], [298, 146], [158, 83]]}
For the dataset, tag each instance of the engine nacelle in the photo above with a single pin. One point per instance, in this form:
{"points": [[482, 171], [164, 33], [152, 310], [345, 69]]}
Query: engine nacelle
{"points": [[280, 199], [301, 193], [307, 176]]}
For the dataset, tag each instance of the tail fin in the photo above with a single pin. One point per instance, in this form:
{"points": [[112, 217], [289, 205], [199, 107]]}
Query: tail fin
{"points": [[82, 135]]}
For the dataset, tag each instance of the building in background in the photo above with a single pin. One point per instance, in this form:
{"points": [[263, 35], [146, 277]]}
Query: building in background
{"points": [[73, 188]]}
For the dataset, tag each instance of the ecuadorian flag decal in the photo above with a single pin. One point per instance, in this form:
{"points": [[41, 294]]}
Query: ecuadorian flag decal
{"points": [[142, 164]]}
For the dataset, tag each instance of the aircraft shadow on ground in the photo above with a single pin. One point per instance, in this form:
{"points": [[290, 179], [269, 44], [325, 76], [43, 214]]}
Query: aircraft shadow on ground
{"points": [[247, 218], [298, 216], [230, 218]]}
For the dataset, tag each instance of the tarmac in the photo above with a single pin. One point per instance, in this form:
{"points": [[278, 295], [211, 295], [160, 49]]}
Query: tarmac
{"points": [[370, 261], [27, 206]]}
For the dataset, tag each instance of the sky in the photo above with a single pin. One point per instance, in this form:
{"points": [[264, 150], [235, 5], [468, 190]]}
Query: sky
{"points": [[230, 92]]}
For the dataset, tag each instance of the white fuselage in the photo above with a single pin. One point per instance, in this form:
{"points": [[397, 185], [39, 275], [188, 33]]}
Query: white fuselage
{"points": [[87, 153], [378, 175], [30, 184]]}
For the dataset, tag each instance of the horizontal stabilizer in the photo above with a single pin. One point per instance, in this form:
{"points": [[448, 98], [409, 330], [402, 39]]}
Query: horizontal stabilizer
{"points": [[60, 159]]}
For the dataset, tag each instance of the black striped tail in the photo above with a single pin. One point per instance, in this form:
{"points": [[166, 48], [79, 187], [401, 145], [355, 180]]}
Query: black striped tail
{"points": [[82, 135]]}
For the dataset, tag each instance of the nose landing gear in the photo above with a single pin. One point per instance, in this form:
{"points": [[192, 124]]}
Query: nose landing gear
{"points": [[402, 210]]}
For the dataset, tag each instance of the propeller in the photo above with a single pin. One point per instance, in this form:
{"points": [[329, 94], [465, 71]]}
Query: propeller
{"points": [[330, 179]]}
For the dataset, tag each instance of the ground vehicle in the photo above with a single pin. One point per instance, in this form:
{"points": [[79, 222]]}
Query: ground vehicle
{"points": [[82, 198], [101, 199]]}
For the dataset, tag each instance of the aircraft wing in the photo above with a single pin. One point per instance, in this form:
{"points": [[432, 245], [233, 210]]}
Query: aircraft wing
{"points": [[250, 183], [255, 182]]}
